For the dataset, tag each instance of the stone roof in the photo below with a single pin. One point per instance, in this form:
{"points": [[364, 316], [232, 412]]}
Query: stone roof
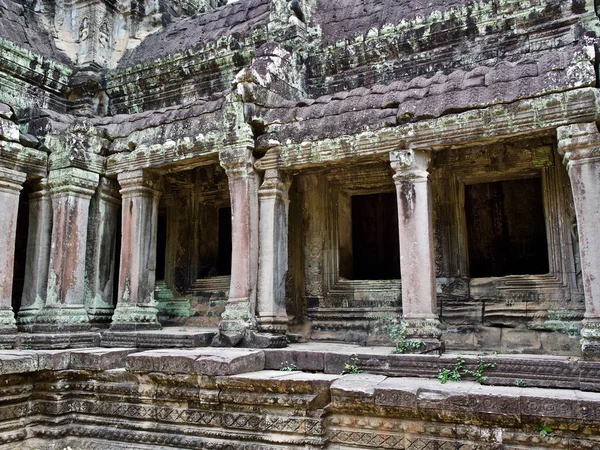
{"points": [[171, 123], [346, 19], [238, 18], [426, 97], [19, 24]]}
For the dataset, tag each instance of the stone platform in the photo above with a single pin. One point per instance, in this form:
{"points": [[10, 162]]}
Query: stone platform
{"points": [[235, 398]]}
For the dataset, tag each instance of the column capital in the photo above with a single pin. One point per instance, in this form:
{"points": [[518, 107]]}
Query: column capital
{"points": [[237, 163], [410, 163], [73, 181], [578, 141], [275, 184], [140, 182], [109, 190], [11, 180]]}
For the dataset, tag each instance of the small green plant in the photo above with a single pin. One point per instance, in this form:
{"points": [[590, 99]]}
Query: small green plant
{"points": [[455, 373], [351, 366], [520, 383], [288, 367], [545, 431], [397, 332], [478, 373], [403, 345], [27, 347]]}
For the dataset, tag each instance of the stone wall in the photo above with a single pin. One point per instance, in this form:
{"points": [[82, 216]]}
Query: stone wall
{"points": [[224, 399]]}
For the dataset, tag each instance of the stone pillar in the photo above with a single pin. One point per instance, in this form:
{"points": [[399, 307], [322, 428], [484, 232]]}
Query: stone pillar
{"points": [[39, 238], [243, 188], [273, 252], [580, 145], [71, 190], [100, 259], [417, 262], [11, 183], [136, 307]]}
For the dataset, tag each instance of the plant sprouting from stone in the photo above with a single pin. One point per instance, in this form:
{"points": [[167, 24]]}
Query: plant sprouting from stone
{"points": [[545, 431], [456, 373], [520, 383], [288, 367], [351, 366], [453, 374], [398, 334]]}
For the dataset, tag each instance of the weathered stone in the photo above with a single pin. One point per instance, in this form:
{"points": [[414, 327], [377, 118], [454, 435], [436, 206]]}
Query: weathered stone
{"points": [[227, 339], [254, 339]]}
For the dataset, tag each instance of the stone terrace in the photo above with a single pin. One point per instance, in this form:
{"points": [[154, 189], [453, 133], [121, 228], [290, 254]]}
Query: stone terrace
{"points": [[239, 398]]}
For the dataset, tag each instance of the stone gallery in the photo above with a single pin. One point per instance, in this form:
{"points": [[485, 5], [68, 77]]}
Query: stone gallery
{"points": [[305, 224]]}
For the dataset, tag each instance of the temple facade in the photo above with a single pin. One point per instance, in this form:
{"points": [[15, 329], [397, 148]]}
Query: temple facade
{"points": [[320, 169]]}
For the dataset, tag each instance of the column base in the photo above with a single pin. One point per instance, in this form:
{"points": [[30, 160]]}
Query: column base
{"points": [[135, 317], [236, 318], [7, 322], [61, 319], [590, 340], [26, 316], [272, 324], [427, 332], [101, 317]]}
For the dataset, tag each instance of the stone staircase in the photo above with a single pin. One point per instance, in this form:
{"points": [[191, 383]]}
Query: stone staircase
{"points": [[208, 297]]}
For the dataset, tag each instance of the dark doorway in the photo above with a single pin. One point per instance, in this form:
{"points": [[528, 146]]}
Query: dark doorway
{"points": [[506, 228], [21, 247], [224, 255], [117, 262], [375, 247], [161, 247]]}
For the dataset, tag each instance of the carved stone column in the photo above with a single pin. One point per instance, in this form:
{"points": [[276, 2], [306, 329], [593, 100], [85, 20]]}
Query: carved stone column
{"points": [[100, 259], [71, 190], [417, 262], [243, 188], [11, 183], [39, 238], [273, 252], [580, 145], [136, 307]]}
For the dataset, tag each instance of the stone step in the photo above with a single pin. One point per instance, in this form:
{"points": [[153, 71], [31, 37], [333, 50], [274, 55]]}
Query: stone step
{"points": [[168, 337]]}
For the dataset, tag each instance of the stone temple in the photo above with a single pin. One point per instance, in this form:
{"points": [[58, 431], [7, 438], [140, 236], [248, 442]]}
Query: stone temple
{"points": [[195, 194]]}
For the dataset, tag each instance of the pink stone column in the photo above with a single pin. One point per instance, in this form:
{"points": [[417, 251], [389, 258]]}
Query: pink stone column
{"points": [[580, 145], [243, 189], [136, 307], [39, 238], [100, 258], [417, 262], [11, 183], [71, 190], [273, 252]]}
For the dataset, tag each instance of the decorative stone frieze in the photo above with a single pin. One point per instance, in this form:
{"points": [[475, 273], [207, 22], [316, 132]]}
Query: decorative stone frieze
{"points": [[11, 183], [38, 254], [71, 190], [417, 262], [136, 307], [243, 188], [580, 145], [273, 251]]}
